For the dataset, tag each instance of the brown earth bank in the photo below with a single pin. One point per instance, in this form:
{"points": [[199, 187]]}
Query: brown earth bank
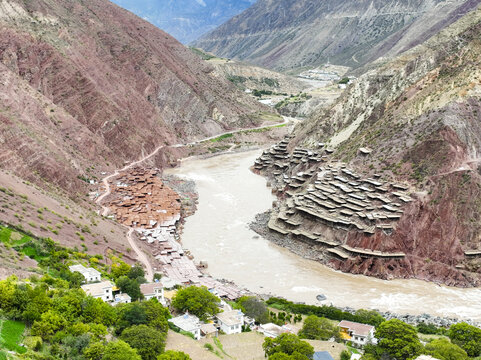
{"points": [[413, 120]]}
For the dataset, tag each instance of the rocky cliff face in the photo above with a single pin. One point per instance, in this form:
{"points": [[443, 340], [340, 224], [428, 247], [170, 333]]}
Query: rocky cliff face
{"points": [[286, 34], [386, 182], [87, 85]]}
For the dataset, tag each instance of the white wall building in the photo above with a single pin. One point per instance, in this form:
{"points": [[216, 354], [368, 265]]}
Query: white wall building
{"points": [[102, 290], [153, 290], [122, 299], [189, 323], [90, 274], [231, 321], [358, 334]]}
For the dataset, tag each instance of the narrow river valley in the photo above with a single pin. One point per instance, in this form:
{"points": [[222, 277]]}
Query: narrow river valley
{"points": [[230, 196]]}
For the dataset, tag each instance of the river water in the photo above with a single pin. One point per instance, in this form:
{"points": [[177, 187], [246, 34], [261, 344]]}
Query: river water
{"points": [[229, 197]]}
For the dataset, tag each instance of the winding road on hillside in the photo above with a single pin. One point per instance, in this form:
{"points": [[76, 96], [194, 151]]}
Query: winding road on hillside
{"points": [[105, 209]]}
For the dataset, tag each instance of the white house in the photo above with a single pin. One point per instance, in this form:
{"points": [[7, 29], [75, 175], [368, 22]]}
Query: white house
{"points": [[272, 330], [231, 321], [358, 334], [102, 290], [90, 274], [189, 323], [153, 290], [122, 298]]}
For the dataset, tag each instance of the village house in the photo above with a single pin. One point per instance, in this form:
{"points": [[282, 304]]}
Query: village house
{"points": [[189, 323], [122, 299], [90, 274], [358, 334], [209, 330], [153, 290], [272, 330], [231, 321], [101, 290]]}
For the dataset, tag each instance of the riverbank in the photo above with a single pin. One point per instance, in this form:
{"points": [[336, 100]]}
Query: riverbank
{"points": [[229, 197]]}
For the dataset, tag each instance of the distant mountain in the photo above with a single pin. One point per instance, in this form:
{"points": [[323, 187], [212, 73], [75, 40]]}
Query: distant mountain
{"points": [[291, 34], [186, 20]]}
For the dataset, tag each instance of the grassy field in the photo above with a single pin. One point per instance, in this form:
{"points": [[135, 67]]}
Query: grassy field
{"points": [[11, 334]]}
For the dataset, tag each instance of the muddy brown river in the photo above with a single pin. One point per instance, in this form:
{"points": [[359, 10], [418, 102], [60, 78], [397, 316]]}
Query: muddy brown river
{"points": [[229, 197]]}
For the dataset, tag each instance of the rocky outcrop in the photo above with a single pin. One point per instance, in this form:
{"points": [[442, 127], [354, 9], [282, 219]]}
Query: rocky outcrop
{"points": [[413, 121], [86, 86], [286, 35]]}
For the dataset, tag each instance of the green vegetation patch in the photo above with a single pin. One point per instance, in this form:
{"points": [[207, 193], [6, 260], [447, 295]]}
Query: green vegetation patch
{"points": [[222, 137], [203, 55], [11, 335]]}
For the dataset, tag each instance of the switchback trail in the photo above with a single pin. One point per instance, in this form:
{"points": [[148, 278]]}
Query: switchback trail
{"points": [[140, 255]]}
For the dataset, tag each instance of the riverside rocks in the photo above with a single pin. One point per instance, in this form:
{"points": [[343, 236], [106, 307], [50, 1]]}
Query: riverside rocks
{"points": [[329, 196]]}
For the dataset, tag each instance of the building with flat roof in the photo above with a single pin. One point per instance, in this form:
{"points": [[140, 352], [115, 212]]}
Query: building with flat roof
{"points": [[101, 290], [189, 323], [153, 290], [231, 321], [122, 299], [90, 274], [358, 334]]}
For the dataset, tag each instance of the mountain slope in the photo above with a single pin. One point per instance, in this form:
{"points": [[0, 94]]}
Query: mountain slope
{"points": [[286, 34], [400, 194], [186, 20], [88, 85]]}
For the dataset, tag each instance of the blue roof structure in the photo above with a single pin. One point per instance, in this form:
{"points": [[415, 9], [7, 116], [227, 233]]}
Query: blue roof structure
{"points": [[322, 355]]}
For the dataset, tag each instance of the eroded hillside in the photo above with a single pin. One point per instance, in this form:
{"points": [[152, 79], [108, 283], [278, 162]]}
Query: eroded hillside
{"points": [[88, 85], [287, 35], [386, 182]]}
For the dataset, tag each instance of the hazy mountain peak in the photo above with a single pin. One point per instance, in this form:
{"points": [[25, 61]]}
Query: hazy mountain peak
{"points": [[186, 20]]}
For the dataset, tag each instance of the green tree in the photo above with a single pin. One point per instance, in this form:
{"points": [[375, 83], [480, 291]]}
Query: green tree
{"points": [[197, 301], [119, 268], [443, 349], [137, 273], [345, 355], [114, 350], [468, 337], [398, 340], [424, 328], [174, 355], [129, 286], [156, 315], [130, 314], [49, 323], [255, 308], [287, 344], [316, 328], [97, 311], [148, 341], [371, 317], [295, 356]]}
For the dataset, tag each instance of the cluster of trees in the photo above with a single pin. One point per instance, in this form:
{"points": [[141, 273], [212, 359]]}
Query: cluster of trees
{"points": [[128, 279], [330, 312], [316, 328], [398, 340], [198, 301], [287, 347], [257, 309], [63, 322]]}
